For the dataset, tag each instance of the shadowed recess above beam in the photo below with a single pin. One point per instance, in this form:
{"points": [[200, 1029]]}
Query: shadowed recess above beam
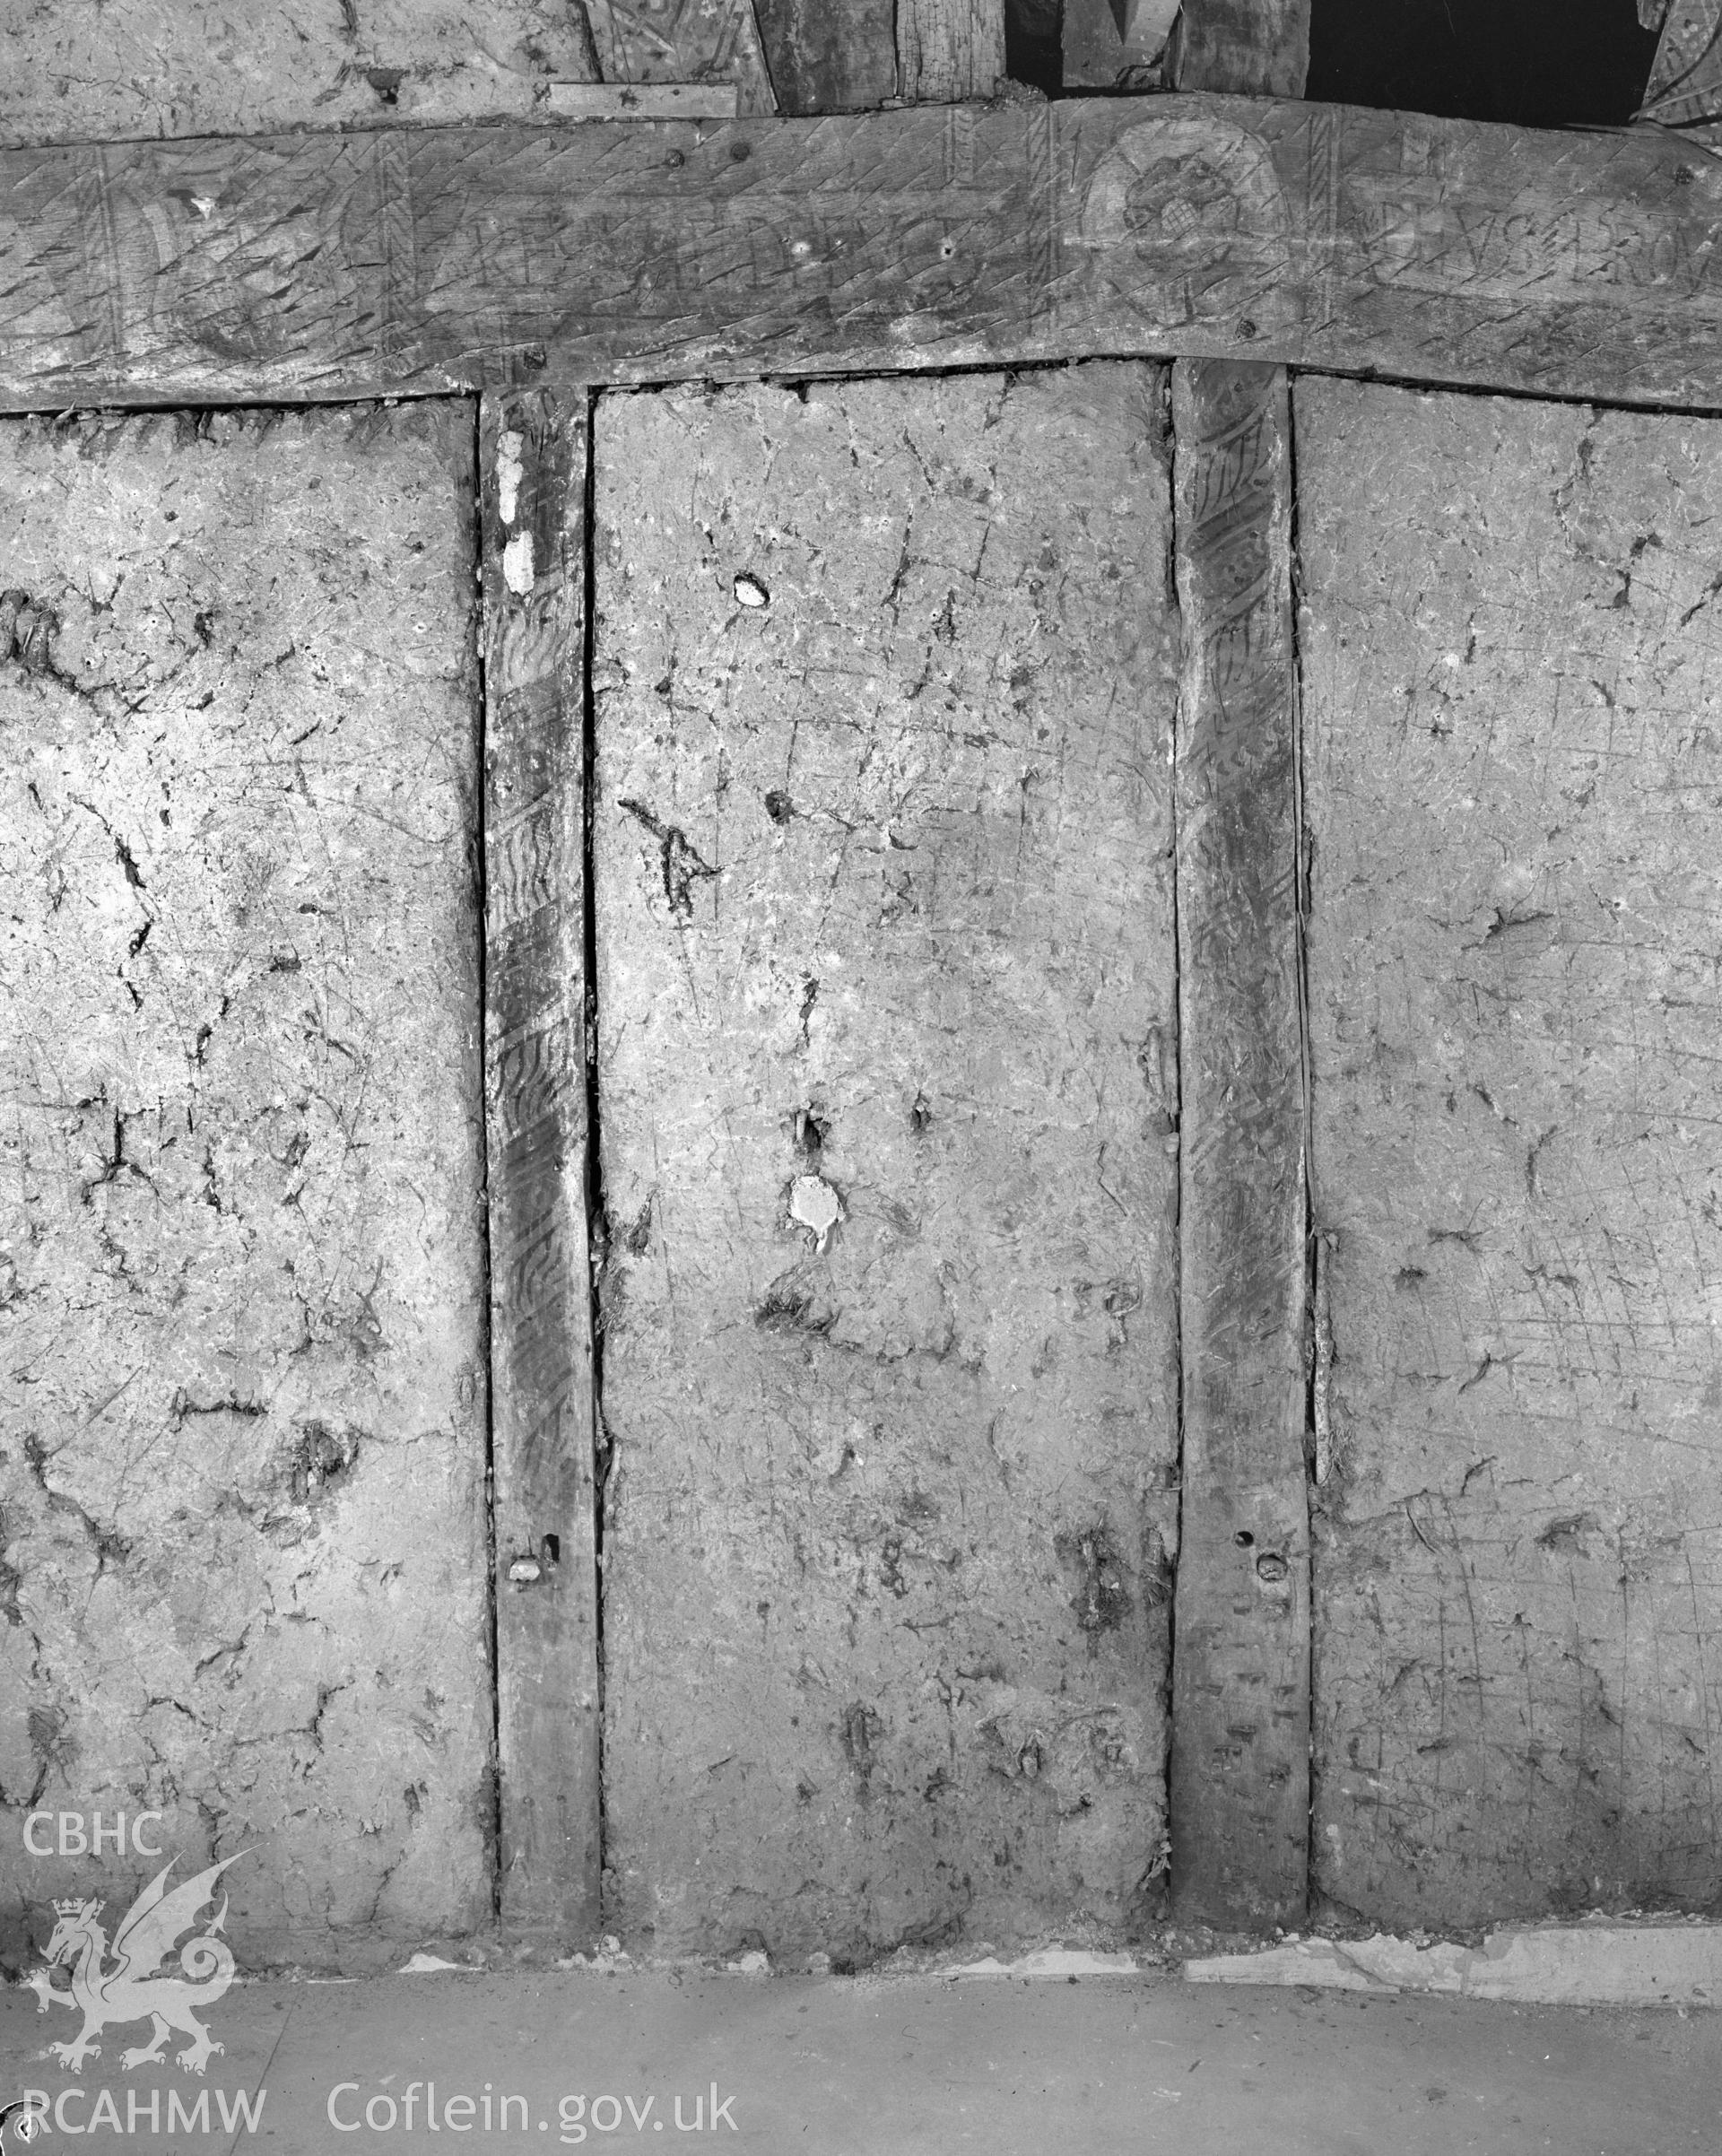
{"points": [[316, 267], [1533, 63]]}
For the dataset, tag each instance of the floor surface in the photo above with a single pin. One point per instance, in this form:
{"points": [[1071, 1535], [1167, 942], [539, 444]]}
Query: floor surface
{"points": [[879, 2066]]}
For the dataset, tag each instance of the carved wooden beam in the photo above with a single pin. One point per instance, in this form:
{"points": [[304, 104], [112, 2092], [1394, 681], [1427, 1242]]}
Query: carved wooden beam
{"points": [[322, 266]]}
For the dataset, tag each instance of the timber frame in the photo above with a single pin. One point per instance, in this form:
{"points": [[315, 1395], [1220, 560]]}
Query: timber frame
{"points": [[532, 265], [321, 268]]}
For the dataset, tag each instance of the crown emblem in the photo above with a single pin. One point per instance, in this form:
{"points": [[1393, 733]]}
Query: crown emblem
{"points": [[74, 1908]]}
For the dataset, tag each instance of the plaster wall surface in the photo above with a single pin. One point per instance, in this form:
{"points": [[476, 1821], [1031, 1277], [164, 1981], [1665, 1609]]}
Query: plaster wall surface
{"points": [[113, 70], [884, 682], [242, 1569], [1510, 643]]}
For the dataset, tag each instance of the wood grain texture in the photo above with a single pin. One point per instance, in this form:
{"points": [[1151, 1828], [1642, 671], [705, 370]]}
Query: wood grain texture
{"points": [[1512, 659], [683, 41], [826, 59], [948, 51], [885, 688], [1241, 1680], [533, 454], [241, 1252], [1242, 47], [310, 267], [643, 100]]}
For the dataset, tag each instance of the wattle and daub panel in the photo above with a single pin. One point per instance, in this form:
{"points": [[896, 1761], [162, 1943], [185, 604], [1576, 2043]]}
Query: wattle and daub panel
{"points": [[1510, 638], [242, 1400], [885, 690]]}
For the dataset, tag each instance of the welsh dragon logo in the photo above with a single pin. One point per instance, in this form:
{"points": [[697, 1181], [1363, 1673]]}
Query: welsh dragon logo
{"points": [[132, 1990]]}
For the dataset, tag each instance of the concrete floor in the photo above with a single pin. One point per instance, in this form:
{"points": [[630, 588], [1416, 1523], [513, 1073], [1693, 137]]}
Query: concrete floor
{"points": [[893, 2066]]}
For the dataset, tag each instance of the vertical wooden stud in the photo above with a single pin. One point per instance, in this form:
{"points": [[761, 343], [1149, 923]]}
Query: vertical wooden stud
{"points": [[829, 59], [637, 41], [1255, 48], [949, 50], [534, 451], [1240, 1678]]}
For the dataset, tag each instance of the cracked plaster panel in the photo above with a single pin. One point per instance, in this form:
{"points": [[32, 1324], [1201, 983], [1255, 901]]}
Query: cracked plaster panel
{"points": [[113, 70], [241, 1553], [884, 692], [1513, 652]]}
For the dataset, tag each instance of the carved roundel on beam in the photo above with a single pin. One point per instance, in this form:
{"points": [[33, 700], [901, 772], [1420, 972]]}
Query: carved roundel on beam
{"points": [[1192, 202]]}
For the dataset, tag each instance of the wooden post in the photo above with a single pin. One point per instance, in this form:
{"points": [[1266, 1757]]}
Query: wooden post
{"points": [[638, 43], [1249, 47], [1241, 1680], [1241, 1674], [949, 50], [534, 454], [829, 59]]}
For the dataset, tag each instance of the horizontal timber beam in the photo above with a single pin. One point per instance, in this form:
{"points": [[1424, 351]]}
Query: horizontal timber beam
{"points": [[319, 266]]}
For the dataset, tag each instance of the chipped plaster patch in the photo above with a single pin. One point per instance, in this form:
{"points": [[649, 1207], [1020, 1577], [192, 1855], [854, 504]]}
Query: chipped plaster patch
{"points": [[510, 469], [517, 570], [1601, 1961], [1052, 1961], [816, 1205]]}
